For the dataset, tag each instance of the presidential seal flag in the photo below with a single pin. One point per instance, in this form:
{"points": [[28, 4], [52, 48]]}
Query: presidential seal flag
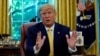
{"points": [[86, 23]]}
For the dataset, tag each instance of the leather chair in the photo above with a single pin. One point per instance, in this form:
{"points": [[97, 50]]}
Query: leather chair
{"points": [[23, 37]]}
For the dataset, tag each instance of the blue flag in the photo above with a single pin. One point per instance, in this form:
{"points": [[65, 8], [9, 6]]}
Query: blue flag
{"points": [[86, 24]]}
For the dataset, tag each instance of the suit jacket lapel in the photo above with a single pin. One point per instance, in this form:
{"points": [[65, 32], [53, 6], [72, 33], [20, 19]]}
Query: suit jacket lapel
{"points": [[56, 30], [42, 29]]}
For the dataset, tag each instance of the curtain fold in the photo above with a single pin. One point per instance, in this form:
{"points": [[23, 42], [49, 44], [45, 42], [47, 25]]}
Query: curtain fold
{"points": [[66, 15], [4, 18]]}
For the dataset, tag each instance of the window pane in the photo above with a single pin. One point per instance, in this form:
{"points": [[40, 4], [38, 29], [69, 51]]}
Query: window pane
{"points": [[16, 10], [16, 27]]}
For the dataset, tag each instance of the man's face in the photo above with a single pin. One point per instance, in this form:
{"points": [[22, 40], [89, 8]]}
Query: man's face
{"points": [[48, 16]]}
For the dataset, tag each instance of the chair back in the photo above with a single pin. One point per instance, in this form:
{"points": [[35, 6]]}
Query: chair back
{"points": [[24, 29]]}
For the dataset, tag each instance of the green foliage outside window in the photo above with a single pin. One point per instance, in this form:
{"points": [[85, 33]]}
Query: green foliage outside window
{"points": [[22, 11]]}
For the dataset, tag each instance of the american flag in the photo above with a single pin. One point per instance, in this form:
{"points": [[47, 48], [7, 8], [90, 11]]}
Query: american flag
{"points": [[81, 6]]}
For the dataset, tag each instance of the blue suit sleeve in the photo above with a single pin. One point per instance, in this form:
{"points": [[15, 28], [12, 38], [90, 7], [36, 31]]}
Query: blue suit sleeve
{"points": [[30, 42]]}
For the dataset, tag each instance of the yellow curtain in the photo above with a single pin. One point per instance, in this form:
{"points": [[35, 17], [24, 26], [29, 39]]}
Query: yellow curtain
{"points": [[66, 15], [4, 19], [93, 49]]}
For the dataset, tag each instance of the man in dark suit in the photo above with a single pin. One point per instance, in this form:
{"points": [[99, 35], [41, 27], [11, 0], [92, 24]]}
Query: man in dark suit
{"points": [[38, 41]]}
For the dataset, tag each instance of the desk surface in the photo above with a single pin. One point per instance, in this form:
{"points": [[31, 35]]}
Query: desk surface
{"points": [[83, 55], [3, 48], [10, 51], [7, 51]]}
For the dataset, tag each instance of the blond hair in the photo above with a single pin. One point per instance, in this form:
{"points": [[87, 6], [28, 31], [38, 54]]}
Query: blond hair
{"points": [[47, 6]]}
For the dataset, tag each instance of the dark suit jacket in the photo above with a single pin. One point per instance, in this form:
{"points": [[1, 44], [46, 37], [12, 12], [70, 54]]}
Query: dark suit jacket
{"points": [[60, 44]]}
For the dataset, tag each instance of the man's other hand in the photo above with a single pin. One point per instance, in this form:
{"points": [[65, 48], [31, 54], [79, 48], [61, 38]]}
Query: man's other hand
{"points": [[39, 40]]}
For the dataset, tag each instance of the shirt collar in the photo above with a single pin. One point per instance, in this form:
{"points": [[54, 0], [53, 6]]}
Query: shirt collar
{"points": [[52, 27]]}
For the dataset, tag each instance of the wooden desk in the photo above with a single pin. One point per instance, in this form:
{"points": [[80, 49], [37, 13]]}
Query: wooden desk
{"points": [[9, 51], [83, 55], [81, 52]]}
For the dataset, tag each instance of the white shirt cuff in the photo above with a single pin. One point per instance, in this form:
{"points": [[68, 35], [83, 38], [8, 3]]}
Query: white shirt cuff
{"points": [[35, 50], [71, 50]]}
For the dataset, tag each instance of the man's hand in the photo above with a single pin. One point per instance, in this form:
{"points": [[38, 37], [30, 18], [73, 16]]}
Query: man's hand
{"points": [[72, 40], [39, 41]]}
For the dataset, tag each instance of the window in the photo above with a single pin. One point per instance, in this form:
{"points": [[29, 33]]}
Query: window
{"points": [[22, 11]]}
